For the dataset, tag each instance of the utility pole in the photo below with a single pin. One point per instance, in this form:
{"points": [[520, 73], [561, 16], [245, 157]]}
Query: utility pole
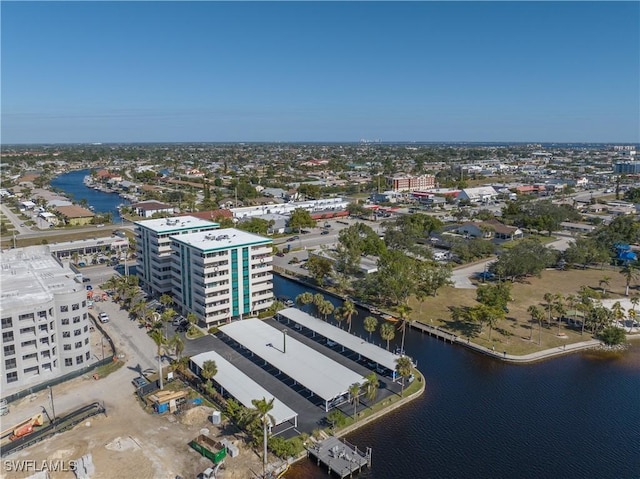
{"points": [[53, 409]]}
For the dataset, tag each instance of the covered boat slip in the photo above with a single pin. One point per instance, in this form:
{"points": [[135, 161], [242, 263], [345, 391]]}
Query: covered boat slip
{"points": [[319, 374], [358, 345], [243, 388]]}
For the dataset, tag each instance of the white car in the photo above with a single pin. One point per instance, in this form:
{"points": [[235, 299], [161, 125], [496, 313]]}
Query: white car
{"points": [[103, 317]]}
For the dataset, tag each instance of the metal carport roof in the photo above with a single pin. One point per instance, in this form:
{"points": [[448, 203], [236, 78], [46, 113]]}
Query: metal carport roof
{"points": [[354, 343], [321, 375], [242, 387]]}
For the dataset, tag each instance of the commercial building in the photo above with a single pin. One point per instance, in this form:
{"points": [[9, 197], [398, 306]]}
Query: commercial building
{"points": [[45, 325], [627, 168], [221, 275], [411, 183], [153, 247]]}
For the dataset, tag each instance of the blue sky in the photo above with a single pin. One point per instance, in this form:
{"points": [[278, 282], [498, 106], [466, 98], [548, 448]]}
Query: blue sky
{"points": [[320, 71]]}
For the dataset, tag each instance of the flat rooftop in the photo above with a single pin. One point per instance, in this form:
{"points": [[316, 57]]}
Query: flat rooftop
{"points": [[31, 275], [318, 373], [221, 239], [242, 387], [176, 224], [354, 343]]}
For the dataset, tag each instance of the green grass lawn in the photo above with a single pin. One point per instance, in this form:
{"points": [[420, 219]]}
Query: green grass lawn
{"points": [[512, 334]]}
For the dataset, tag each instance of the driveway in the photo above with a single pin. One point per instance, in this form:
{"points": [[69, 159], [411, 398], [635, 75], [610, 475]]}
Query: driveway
{"points": [[461, 276]]}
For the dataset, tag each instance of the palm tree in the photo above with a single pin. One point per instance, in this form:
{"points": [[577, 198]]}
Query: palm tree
{"points": [[635, 299], [166, 300], [304, 298], [403, 366], [209, 370], [403, 312], [325, 308], [604, 283], [371, 386], [548, 298], [262, 408], [535, 314], [370, 325], [354, 397], [178, 345], [318, 299], [558, 305], [632, 315], [338, 316], [387, 332], [348, 311], [161, 341], [629, 273], [618, 311]]}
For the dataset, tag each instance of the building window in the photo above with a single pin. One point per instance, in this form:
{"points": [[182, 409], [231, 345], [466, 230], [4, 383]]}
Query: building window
{"points": [[9, 350], [43, 327], [45, 354], [42, 314], [76, 319], [78, 344], [79, 359], [86, 340], [10, 363], [32, 369], [84, 315], [29, 356], [12, 377], [87, 355], [64, 308], [84, 303], [66, 334], [77, 332], [26, 344], [32, 329], [44, 340], [86, 328], [7, 323], [68, 362], [65, 321], [8, 336], [75, 307], [26, 316], [66, 347], [51, 325]]}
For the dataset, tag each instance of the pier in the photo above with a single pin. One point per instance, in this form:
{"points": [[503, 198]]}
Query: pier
{"points": [[340, 457]]}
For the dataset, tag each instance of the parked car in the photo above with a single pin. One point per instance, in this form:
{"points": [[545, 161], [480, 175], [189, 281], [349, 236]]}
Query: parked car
{"points": [[103, 317], [325, 232], [293, 238], [139, 382], [280, 254], [86, 280]]}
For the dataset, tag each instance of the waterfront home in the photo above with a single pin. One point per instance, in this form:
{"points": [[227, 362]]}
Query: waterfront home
{"points": [[147, 209], [75, 215]]}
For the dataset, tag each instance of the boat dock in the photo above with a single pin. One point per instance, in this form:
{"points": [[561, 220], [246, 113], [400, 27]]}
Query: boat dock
{"points": [[340, 457]]}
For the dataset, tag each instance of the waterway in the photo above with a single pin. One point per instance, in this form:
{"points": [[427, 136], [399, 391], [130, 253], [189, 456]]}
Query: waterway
{"points": [[72, 185], [576, 416]]}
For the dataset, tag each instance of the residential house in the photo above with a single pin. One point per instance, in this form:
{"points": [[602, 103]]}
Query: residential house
{"points": [[147, 209], [75, 215]]}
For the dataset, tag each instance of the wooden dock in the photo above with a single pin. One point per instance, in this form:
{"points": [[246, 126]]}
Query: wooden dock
{"points": [[339, 457]]}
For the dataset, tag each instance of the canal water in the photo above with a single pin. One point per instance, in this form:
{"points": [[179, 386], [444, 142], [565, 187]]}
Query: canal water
{"points": [[72, 184], [576, 416]]}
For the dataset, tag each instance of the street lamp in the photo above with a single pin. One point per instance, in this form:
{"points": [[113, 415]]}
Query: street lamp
{"points": [[284, 340]]}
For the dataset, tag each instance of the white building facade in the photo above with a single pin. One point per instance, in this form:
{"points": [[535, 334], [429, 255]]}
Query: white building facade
{"points": [[45, 323], [221, 275], [153, 248]]}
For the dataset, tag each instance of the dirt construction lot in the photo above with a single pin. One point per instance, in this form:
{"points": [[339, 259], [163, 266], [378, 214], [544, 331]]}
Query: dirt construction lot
{"points": [[128, 442]]}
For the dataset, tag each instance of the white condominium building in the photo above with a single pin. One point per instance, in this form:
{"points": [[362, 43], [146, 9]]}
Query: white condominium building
{"points": [[153, 245], [222, 275], [45, 326]]}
